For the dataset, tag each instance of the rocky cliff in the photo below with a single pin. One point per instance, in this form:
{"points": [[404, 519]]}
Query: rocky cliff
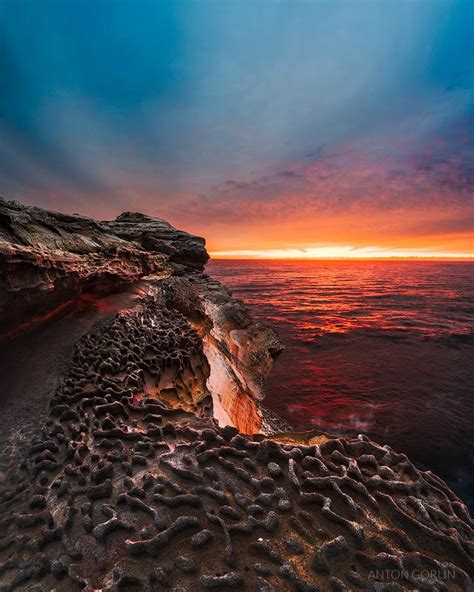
{"points": [[49, 260], [157, 468]]}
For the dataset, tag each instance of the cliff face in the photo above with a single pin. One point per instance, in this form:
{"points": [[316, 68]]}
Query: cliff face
{"points": [[131, 485], [48, 260]]}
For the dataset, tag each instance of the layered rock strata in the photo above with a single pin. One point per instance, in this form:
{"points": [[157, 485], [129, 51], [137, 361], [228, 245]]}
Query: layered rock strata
{"points": [[240, 351], [132, 485], [49, 260]]}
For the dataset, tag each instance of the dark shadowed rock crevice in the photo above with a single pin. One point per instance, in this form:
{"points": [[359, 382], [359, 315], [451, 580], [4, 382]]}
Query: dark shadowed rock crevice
{"points": [[133, 482]]}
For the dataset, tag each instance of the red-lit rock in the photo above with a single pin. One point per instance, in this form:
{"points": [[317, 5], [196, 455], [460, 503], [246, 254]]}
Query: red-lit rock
{"points": [[50, 262]]}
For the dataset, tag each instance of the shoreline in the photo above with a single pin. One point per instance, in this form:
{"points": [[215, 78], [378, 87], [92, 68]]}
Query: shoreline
{"points": [[130, 483]]}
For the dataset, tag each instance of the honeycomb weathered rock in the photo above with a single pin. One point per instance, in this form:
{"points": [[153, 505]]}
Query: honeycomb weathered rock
{"points": [[128, 488]]}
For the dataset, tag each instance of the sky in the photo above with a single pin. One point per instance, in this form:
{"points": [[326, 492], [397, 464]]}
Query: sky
{"points": [[300, 128]]}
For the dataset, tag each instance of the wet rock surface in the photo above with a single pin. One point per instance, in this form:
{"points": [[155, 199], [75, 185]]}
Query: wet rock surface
{"points": [[130, 483]]}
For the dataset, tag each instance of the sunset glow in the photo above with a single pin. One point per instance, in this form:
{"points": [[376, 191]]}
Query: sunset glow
{"points": [[342, 252], [253, 127]]}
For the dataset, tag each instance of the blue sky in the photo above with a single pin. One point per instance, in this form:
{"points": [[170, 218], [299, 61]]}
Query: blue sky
{"points": [[343, 118]]}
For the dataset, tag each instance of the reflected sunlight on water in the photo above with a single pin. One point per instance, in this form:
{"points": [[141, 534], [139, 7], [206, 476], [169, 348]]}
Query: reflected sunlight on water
{"points": [[380, 347]]}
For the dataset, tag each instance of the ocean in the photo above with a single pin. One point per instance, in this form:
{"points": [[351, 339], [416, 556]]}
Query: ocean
{"points": [[383, 348]]}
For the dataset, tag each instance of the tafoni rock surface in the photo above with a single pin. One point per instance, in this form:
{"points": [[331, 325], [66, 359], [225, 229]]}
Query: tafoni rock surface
{"points": [[157, 466]]}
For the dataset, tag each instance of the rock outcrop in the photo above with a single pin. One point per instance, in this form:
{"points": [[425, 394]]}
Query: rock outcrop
{"points": [[48, 260], [240, 351], [131, 483]]}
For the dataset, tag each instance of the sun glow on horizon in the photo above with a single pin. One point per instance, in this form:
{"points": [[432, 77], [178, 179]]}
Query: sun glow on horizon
{"points": [[342, 252]]}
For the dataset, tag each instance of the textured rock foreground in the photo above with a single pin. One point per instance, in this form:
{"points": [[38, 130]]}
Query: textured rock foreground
{"points": [[49, 260], [132, 485]]}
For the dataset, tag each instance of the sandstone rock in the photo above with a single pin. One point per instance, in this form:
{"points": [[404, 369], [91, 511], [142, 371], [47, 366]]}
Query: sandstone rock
{"points": [[47, 259]]}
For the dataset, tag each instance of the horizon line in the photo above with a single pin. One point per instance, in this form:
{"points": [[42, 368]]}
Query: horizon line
{"points": [[453, 258], [333, 252]]}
